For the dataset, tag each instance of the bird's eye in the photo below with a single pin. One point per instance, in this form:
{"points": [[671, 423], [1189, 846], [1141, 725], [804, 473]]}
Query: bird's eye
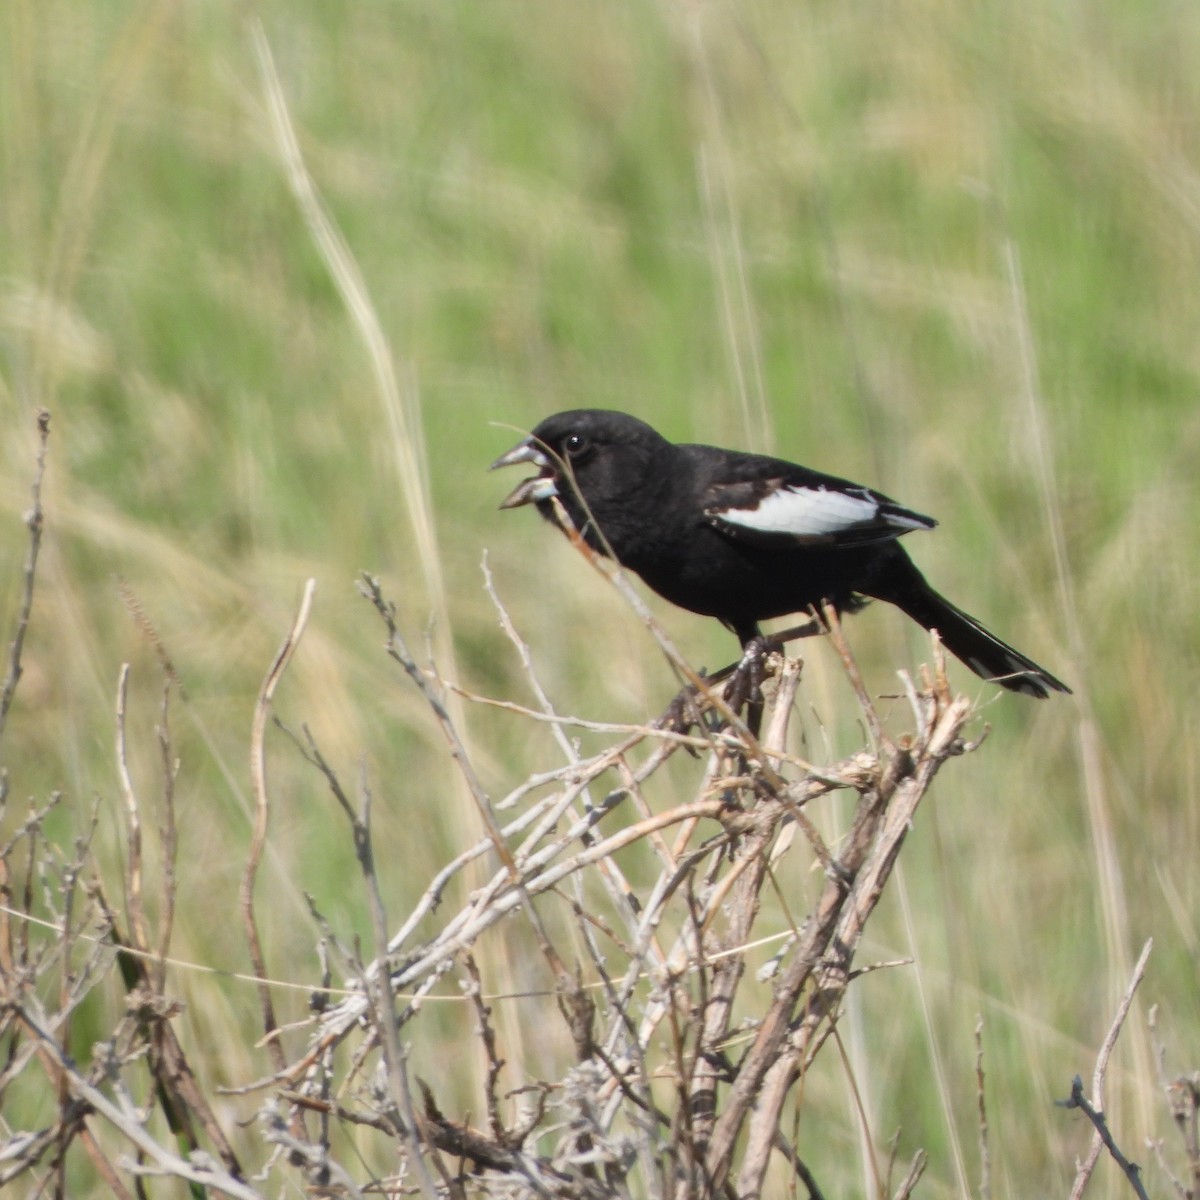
{"points": [[575, 444]]}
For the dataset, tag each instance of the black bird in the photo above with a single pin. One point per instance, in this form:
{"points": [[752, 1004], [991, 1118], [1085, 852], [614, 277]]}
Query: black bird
{"points": [[744, 537]]}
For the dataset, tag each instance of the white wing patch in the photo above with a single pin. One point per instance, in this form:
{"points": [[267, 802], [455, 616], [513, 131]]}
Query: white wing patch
{"points": [[815, 513]]}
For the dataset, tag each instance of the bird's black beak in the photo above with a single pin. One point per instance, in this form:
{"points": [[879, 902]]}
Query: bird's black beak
{"points": [[530, 491]]}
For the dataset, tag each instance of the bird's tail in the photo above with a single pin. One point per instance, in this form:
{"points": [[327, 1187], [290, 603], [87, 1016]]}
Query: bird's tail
{"points": [[966, 639]]}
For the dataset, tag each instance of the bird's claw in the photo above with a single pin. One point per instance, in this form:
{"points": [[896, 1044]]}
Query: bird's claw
{"points": [[683, 715], [745, 685]]}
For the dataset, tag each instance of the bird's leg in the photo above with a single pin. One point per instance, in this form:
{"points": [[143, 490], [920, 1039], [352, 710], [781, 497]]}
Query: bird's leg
{"points": [[810, 628], [771, 642], [743, 690]]}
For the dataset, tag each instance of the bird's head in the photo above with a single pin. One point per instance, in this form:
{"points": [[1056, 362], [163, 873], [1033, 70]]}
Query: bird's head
{"points": [[588, 453]]}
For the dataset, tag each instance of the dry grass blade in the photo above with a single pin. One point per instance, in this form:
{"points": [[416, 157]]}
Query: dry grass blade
{"points": [[258, 839], [985, 1159]]}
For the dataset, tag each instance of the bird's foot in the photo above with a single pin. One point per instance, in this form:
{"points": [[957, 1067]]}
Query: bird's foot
{"points": [[742, 691], [745, 686]]}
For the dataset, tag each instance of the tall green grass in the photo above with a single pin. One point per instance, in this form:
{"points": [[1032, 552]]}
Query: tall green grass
{"points": [[779, 226]]}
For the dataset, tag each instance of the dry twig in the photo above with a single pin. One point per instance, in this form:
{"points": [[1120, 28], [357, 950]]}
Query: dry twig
{"points": [[34, 521], [1094, 1109], [1183, 1099]]}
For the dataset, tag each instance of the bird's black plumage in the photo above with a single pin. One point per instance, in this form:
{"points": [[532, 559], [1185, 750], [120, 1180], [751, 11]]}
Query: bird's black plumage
{"points": [[744, 537]]}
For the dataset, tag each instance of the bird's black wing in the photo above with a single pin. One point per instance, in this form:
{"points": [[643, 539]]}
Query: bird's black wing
{"points": [[769, 502]]}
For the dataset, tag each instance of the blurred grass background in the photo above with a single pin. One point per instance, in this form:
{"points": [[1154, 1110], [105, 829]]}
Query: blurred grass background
{"points": [[948, 250]]}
